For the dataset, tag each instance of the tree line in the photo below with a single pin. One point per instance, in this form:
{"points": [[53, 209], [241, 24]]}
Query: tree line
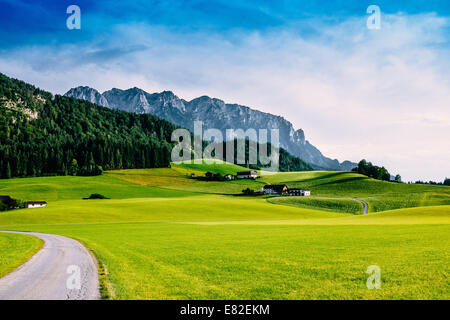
{"points": [[446, 182], [372, 171], [380, 173]]}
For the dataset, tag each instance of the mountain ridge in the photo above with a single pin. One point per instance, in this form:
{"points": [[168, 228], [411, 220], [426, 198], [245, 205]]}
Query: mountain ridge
{"points": [[214, 113], [43, 134]]}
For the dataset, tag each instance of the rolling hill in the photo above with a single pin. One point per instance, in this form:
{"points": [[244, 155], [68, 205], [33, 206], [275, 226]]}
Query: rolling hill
{"points": [[163, 235]]}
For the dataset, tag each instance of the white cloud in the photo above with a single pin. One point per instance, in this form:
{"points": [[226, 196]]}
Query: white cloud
{"points": [[383, 95]]}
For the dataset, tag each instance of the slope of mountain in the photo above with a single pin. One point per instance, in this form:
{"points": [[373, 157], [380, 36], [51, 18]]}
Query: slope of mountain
{"points": [[214, 113], [42, 134]]}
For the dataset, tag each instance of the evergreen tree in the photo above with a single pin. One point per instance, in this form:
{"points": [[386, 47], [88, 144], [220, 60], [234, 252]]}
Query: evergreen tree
{"points": [[8, 171]]}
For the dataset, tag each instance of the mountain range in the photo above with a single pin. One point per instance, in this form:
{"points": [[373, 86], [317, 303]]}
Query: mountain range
{"points": [[43, 134], [214, 113]]}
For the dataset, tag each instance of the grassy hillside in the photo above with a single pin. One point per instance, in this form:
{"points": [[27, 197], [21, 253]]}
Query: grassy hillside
{"points": [[68, 188], [322, 203], [203, 208], [220, 167], [179, 178], [16, 249], [338, 187], [380, 195], [347, 183], [158, 239], [428, 197]]}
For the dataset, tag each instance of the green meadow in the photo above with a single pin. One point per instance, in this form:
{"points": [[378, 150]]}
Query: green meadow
{"points": [[164, 235], [322, 203], [16, 249], [380, 195]]}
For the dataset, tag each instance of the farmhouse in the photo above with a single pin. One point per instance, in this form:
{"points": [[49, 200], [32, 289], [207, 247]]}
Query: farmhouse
{"points": [[279, 189], [299, 192], [253, 174], [35, 204]]}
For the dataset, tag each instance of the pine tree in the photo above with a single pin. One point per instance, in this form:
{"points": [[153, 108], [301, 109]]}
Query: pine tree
{"points": [[8, 171]]}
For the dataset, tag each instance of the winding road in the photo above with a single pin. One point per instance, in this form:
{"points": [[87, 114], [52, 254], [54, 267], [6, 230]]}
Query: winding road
{"points": [[366, 206], [62, 270]]}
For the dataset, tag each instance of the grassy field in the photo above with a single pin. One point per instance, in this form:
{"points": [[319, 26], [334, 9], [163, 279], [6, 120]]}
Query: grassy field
{"points": [[166, 236], [385, 202], [68, 188], [179, 178], [215, 166], [322, 203], [16, 249], [380, 195]]}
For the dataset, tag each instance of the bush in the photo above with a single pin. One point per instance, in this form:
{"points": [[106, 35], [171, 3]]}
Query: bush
{"points": [[96, 196], [248, 191], [3, 207], [12, 204]]}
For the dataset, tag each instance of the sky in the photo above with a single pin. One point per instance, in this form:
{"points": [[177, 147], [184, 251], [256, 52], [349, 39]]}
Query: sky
{"points": [[379, 94]]}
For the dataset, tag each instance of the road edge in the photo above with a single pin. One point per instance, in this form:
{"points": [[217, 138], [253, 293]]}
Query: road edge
{"points": [[90, 252], [42, 243]]}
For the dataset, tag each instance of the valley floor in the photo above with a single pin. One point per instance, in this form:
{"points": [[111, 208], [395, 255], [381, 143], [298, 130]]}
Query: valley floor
{"points": [[165, 236]]}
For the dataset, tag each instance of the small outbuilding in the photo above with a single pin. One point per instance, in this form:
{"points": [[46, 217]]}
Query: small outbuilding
{"points": [[35, 204], [252, 174]]}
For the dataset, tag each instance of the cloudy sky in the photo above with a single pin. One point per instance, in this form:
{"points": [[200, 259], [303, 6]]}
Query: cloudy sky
{"points": [[383, 95]]}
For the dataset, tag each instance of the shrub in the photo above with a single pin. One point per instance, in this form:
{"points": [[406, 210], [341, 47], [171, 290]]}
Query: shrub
{"points": [[248, 191], [97, 196]]}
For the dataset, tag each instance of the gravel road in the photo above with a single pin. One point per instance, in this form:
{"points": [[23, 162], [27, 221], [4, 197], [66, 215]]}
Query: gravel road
{"points": [[366, 206], [62, 270]]}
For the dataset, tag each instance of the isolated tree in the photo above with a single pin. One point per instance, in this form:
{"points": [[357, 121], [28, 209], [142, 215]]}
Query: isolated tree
{"points": [[398, 178]]}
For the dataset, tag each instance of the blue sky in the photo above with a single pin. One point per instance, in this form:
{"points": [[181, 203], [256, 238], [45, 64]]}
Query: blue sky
{"points": [[378, 94], [33, 22]]}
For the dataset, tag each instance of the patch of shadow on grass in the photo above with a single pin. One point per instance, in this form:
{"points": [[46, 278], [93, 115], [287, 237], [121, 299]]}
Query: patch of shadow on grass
{"points": [[342, 181], [322, 177]]}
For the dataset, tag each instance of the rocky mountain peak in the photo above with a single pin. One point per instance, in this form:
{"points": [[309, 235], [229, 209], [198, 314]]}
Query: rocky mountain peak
{"points": [[89, 94], [214, 113]]}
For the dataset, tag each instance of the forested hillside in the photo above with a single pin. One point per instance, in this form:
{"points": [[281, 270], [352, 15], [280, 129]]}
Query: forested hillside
{"points": [[41, 135], [45, 135]]}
